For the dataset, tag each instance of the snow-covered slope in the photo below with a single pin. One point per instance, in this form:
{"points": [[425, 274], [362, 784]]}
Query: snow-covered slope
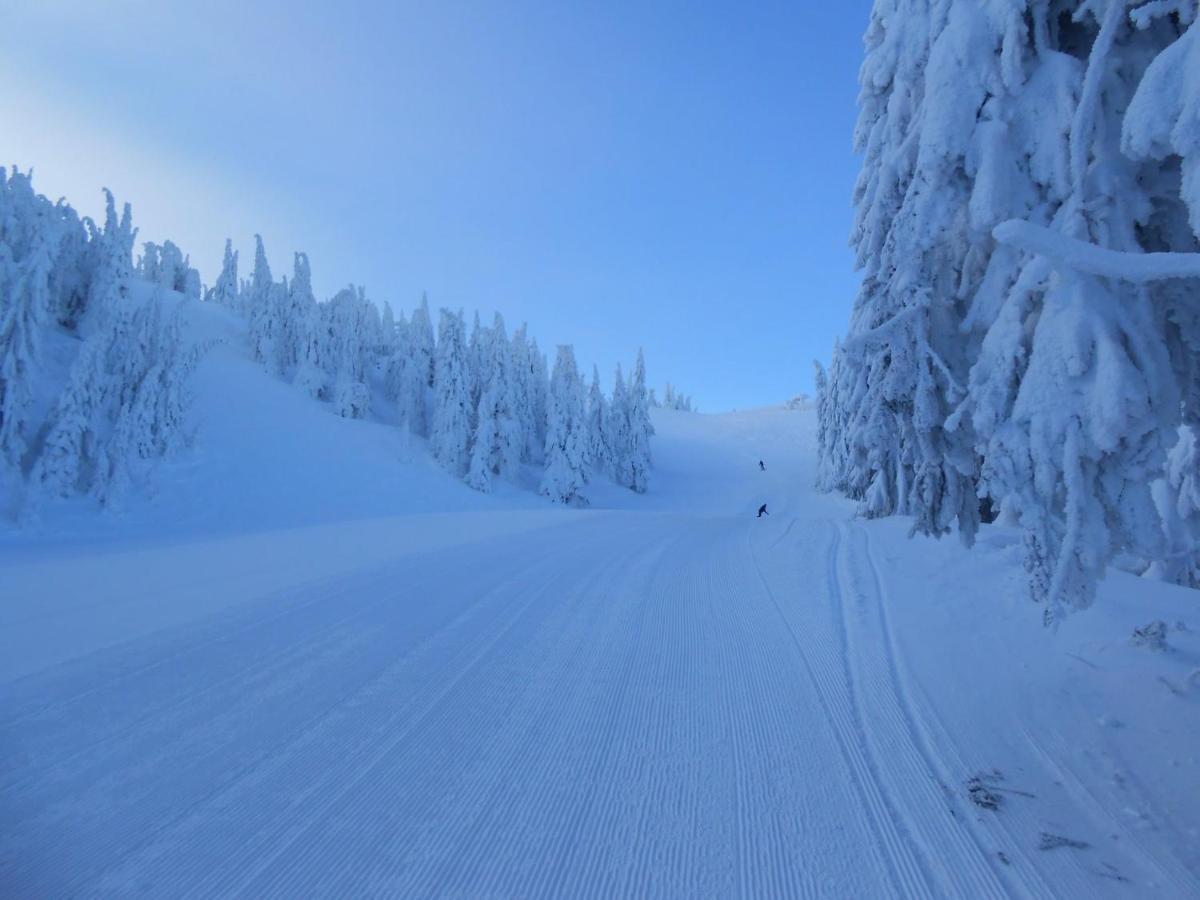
{"points": [[315, 665]]}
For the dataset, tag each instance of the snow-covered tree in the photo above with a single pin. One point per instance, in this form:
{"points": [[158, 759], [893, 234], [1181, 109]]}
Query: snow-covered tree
{"points": [[616, 429], [450, 434], [538, 387], [25, 289], [295, 318], [522, 365], [225, 291], [387, 342], [599, 457], [672, 399], [635, 470], [565, 470], [990, 356], [263, 306], [498, 439], [353, 329], [404, 381], [421, 331], [166, 266]]}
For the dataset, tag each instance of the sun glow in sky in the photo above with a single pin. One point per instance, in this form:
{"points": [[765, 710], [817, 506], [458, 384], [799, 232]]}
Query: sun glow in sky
{"points": [[675, 176]]}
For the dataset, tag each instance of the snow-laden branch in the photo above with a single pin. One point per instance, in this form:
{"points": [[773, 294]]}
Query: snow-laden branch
{"points": [[1093, 260]]}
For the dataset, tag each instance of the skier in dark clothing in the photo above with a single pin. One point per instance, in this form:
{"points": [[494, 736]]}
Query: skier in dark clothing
{"points": [[761, 466], [762, 511]]}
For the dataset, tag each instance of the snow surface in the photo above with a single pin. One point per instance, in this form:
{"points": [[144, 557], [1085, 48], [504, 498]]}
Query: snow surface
{"points": [[315, 664]]}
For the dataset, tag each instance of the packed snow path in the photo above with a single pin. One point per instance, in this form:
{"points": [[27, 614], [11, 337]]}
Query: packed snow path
{"points": [[657, 702]]}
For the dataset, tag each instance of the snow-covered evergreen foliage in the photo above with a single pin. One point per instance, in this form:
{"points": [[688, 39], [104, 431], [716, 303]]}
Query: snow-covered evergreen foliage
{"points": [[616, 429], [450, 431], [225, 291], [599, 456], [66, 280], [1042, 366], [166, 266], [635, 472], [566, 434], [671, 399], [499, 439], [96, 424]]}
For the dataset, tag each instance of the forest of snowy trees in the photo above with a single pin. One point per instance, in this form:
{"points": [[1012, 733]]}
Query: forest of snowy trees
{"points": [[1024, 343], [94, 367], [92, 382]]}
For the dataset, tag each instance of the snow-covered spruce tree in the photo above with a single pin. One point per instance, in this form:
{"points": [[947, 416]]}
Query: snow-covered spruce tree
{"points": [[539, 389], [311, 373], [825, 425], [295, 318], [450, 435], [599, 457], [404, 381], [1083, 374], [565, 470], [353, 335], [616, 428], [984, 358], [225, 291], [476, 353], [635, 465], [522, 365], [387, 340], [935, 108], [27, 305], [263, 308], [498, 440], [421, 331]]}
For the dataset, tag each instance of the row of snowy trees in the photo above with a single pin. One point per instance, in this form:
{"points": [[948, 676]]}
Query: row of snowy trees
{"points": [[1026, 335], [485, 402], [672, 399], [92, 378]]}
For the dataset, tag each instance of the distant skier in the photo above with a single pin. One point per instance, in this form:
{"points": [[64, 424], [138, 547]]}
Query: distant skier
{"points": [[762, 511], [761, 466]]}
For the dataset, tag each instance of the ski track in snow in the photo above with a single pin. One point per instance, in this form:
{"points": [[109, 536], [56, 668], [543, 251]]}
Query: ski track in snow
{"points": [[655, 703]]}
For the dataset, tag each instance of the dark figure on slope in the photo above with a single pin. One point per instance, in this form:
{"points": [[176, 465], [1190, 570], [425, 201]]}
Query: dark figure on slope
{"points": [[761, 466], [762, 511]]}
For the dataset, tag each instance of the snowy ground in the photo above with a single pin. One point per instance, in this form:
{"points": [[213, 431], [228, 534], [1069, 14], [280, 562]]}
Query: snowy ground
{"points": [[267, 683]]}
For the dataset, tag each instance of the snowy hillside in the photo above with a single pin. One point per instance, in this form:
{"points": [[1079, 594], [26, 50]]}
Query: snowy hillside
{"points": [[382, 682]]}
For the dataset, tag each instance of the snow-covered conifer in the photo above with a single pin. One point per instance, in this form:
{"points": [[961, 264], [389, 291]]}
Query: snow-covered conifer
{"points": [[404, 382], [421, 329], [565, 470], [616, 429], [498, 440], [449, 437], [538, 387], [295, 318], [387, 326], [599, 458], [225, 291], [635, 472], [25, 289], [263, 307]]}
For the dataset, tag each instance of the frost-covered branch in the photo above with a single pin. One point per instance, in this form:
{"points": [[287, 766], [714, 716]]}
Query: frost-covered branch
{"points": [[1094, 260]]}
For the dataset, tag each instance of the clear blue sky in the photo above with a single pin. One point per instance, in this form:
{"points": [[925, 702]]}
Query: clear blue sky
{"points": [[671, 175]]}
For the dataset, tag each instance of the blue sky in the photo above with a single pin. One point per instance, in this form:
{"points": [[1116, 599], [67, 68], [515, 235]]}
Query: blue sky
{"points": [[676, 176]]}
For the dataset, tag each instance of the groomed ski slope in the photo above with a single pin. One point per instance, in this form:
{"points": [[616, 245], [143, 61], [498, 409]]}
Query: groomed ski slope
{"points": [[660, 696]]}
